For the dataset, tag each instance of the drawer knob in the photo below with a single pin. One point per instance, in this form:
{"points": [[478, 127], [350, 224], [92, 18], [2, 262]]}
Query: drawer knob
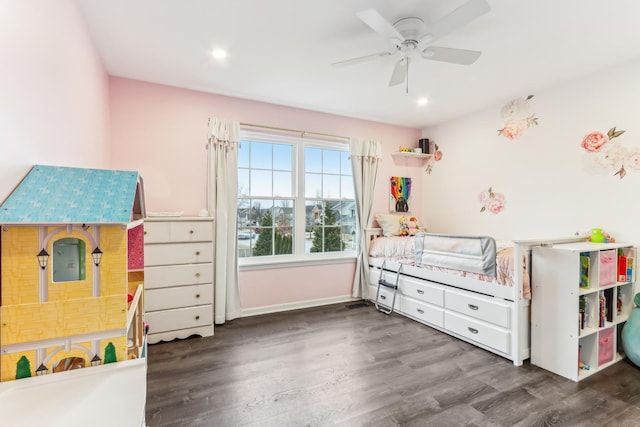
{"points": [[190, 231], [197, 317], [473, 307], [197, 274], [145, 233], [472, 330], [197, 295], [420, 291], [383, 297], [197, 252], [421, 311]]}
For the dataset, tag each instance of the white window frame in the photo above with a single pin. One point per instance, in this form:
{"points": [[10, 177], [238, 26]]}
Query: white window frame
{"points": [[299, 257]]}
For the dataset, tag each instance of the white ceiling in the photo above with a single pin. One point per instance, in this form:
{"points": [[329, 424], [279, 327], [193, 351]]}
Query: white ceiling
{"points": [[280, 51]]}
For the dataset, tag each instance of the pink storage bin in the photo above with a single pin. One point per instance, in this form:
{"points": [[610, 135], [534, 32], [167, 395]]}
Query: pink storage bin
{"points": [[605, 346], [608, 267]]}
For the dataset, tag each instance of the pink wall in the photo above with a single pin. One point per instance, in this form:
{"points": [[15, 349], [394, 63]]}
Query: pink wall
{"points": [[260, 288], [54, 103], [161, 131]]}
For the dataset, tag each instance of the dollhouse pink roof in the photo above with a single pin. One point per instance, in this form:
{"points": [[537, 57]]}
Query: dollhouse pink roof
{"points": [[65, 195]]}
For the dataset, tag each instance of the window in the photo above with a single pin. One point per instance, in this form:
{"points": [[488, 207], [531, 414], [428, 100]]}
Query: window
{"points": [[68, 260], [295, 197]]}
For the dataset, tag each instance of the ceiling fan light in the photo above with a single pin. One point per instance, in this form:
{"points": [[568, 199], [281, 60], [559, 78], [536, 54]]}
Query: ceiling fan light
{"points": [[428, 53]]}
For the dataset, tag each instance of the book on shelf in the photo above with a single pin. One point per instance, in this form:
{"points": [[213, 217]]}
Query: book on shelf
{"points": [[626, 258], [622, 268], [603, 310], [582, 313], [609, 304], [585, 262]]}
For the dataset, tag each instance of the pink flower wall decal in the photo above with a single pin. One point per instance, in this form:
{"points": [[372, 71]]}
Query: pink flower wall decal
{"points": [[604, 156], [437, 156], [491, 201], [517, 118]]}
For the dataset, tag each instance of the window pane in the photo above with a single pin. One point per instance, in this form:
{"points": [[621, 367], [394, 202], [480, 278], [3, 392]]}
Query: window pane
{"points": [[312, 185], [261, 185], [345, 163], [330, 161], [282, 157], [261, 155], [346, 187], [282, 184], [313, 160], [243, 182], [331, 186], [243, 154]]}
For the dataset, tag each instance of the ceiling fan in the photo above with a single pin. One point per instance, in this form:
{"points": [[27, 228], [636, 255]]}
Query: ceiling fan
{"points": [[412, 38]]}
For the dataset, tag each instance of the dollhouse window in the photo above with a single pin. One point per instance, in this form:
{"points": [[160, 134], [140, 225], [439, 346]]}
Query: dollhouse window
{"points": [[69, 260]]}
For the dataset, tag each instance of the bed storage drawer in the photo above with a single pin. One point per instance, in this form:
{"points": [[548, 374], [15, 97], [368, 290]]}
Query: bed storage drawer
{"points": [[423, 312], [481, 332], [422, 291], [386, 296], [483, 308]]}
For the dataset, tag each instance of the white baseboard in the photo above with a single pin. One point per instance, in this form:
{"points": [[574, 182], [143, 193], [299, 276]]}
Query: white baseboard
{"points": [[297, 305]]}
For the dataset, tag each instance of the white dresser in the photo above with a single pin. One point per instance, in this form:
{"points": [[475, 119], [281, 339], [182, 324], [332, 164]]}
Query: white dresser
{"points": [[178, 272]]}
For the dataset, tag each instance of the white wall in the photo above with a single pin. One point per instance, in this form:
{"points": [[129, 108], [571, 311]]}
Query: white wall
{"points": [[547, 189], [54, 107]]}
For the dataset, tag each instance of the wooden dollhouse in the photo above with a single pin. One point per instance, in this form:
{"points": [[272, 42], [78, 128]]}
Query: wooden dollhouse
{"points": [[71, 271]]}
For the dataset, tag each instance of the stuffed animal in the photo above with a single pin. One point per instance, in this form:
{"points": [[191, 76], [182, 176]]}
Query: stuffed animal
{"points": [[404, 228], [409, 226], [413, 226]]}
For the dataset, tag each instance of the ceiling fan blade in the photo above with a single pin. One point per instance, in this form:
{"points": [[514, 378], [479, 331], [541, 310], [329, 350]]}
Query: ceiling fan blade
{"points": [[456, 19], [399, 72], [448, 54], [372, 18], [360, 59]]}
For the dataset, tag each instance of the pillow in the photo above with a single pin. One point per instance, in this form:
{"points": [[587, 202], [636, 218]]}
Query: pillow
{"points": [[389, 223]]}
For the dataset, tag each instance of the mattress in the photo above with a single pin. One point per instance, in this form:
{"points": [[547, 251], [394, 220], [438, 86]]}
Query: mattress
{"points": [[403, 250]]}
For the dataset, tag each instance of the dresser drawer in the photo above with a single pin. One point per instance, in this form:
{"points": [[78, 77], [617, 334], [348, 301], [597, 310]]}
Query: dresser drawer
{"points": [[482, 308], [182, 296], [178, 231], [180, 318], [190, 231], [178, 253], [423, 312], [422, 291], [481, 332], [156, 232], [177, 275]]}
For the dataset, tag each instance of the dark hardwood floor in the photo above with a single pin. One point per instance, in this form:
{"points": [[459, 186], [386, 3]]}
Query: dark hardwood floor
{"points": [[349, 365]]}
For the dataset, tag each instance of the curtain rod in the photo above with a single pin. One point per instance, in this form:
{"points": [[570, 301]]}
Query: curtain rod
{"points": [[302, 132]]}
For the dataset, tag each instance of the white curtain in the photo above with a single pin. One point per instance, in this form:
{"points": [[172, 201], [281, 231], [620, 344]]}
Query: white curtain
{"points": [[224, 137], [365, 156]]}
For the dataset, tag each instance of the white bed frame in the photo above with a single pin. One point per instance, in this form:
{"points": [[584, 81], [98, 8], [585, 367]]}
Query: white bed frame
{"points": [[491, 316]]}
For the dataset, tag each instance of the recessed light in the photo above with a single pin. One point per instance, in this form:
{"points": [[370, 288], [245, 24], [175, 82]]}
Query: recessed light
{"points": [[219, 53], [422, 101]]}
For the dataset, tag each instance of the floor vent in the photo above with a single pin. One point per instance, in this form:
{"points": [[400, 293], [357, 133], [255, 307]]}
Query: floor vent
{"points": [[356, 305]]}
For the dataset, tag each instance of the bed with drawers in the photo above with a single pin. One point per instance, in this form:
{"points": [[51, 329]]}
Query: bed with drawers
{"points": [[467, 286]]}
